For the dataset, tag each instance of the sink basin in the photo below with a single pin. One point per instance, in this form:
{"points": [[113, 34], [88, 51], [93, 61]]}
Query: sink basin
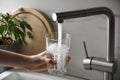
{"points": [[19, 76], [23, 75]]}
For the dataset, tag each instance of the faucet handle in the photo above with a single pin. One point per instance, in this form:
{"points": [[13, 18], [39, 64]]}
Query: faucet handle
{"points": [[96, 63], [85, 48], [87, 60]]}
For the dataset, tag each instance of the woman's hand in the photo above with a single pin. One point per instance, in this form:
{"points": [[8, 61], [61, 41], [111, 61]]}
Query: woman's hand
{"points": [[40, 61]]}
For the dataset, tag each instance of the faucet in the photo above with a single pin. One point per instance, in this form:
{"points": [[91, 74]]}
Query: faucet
{"points": [[107, 65]]}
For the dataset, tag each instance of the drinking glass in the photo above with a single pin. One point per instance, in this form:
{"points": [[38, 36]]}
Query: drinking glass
{"points": [[58, 45]]}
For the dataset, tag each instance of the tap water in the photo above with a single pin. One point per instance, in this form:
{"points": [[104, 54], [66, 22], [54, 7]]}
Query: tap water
{"points": [[59, 34]]}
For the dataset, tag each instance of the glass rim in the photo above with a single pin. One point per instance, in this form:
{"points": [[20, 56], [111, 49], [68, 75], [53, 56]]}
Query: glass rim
{"points": [[57, 33]]}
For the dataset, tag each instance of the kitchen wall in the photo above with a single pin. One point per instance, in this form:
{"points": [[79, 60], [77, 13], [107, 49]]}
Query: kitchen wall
{"points": [[91, 29]]}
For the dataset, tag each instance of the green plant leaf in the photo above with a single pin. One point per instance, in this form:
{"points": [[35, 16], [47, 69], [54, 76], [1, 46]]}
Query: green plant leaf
{"points": [[21, 24], [30, 35], [26, 25], [1, 29]]}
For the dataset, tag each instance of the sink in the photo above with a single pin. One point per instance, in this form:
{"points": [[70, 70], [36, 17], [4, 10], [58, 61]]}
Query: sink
{"points": [[24, 75]]}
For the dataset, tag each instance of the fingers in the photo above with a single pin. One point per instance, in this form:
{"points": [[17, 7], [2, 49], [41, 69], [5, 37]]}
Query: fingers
{"points": [[48, 58], [68, 58], [40, 67], [53, 62]]}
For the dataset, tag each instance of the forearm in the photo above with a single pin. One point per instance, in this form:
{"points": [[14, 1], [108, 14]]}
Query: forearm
{"points": [[12, 59], [34, 62]]}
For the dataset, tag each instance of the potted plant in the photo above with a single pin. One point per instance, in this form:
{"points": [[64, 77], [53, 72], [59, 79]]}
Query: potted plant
{"points": [[13, 30]]}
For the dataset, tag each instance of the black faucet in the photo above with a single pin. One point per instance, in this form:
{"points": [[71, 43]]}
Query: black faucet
{"points": [[108, 65]]}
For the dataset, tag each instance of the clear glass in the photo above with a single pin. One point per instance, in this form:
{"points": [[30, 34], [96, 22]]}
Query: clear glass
{"points": [[58, 51]]}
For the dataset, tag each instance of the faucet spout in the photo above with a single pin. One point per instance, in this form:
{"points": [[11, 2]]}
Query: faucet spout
{"points": [[60, 17]]}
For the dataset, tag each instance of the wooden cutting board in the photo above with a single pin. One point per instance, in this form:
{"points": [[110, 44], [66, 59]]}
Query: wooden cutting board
{"points": [[41, 26]]}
